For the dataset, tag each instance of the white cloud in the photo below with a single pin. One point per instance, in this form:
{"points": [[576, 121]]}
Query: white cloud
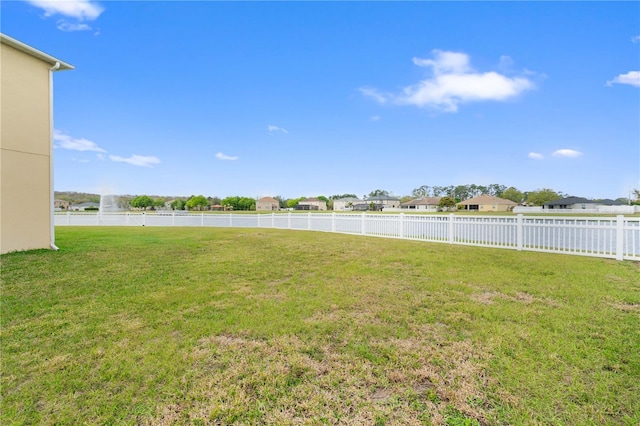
{"points": [[136, 160], [101, 157], [376, 118], [635, 39], [454, 82], [68, 142], [67, 27], [271, 128], [372, 93], [535, 156], [567, 153], [222, 156], [78, 9], [632, 78], [446, 62]]}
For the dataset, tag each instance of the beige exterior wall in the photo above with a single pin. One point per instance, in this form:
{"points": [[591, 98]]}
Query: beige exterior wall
{"points": [[267, 204], [494, 207], [320, 204], [25, 151]]}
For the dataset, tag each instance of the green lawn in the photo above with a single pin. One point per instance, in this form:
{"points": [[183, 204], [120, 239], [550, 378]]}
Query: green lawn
{"points": [[252, 326]]}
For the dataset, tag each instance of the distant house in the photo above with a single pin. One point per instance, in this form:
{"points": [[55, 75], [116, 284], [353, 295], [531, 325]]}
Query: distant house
{"points": [[346, 203], [424, 203], [60, 204], [371, 206], [387, 201], [84, 206], [572, 203], [487, 203], [26, 146], [267, 204], [311, 204]]}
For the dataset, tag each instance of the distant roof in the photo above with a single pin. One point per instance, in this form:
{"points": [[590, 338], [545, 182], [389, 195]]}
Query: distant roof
{"points": [[348, 199], [268, 200], [424, 201], [10, 41], [608, 202], [487, 199], [313, 199], [569, 200], [382, 197]]}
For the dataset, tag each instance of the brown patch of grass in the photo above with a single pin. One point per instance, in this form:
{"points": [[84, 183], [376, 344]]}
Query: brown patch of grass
{"points": [[626, 307], [283, 381]]}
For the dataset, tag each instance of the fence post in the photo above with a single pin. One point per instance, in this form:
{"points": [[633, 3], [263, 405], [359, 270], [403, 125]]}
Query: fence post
{"points": [[273, 218], [401, 225], [309, 221], [362, 225], [202, 219], [333, 221], [173, 218], [620, 237], [230, 220], [520, 232], [144, 219], [289, 220], [68, 218], [451, 239]]}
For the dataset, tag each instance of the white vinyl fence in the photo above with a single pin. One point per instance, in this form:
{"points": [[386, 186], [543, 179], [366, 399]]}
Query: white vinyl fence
{"points": [[612, 237]]}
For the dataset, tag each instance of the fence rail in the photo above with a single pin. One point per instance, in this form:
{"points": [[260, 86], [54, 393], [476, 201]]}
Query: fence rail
{"points": [[611, 237]]}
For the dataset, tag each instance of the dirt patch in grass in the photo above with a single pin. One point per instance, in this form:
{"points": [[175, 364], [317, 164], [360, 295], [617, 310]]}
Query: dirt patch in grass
{"points": [[489, 298], [626, 307], [237, 379]]}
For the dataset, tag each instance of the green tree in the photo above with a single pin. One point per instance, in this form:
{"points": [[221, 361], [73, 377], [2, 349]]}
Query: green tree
{"points": [[178, 204], [239, 203], [159, 202], [197, 202], [446, 203], [542, 196], [379, 192], [293, 202], [142, 202], [462, 192], [282, 203], [496, 190], [513, 194], [339, 196], [421, 191]]}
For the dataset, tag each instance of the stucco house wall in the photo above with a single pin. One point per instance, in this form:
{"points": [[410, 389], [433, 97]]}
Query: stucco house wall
{"points": [[343, 203], [321, 205], [267, 204], [25, 146], [488, 203]]}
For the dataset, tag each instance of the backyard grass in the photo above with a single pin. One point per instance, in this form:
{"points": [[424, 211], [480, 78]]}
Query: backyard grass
{"points": [[251, 326]]}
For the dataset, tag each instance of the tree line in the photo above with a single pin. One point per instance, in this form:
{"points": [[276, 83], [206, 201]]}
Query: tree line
{"points": [[451, 194]]}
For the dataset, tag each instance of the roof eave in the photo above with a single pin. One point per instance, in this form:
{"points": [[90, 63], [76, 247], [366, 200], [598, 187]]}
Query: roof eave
{"points": [[10, 41]]}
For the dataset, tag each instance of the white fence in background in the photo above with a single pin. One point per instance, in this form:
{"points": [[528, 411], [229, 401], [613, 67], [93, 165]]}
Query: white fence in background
{"points": [[612, 237], [598, 210]]}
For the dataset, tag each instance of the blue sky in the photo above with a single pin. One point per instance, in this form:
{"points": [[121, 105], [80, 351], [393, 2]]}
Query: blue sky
{"points": [[306, 99]]}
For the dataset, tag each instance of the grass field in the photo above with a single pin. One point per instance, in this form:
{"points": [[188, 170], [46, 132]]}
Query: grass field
{"points": [[228, 326]]}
